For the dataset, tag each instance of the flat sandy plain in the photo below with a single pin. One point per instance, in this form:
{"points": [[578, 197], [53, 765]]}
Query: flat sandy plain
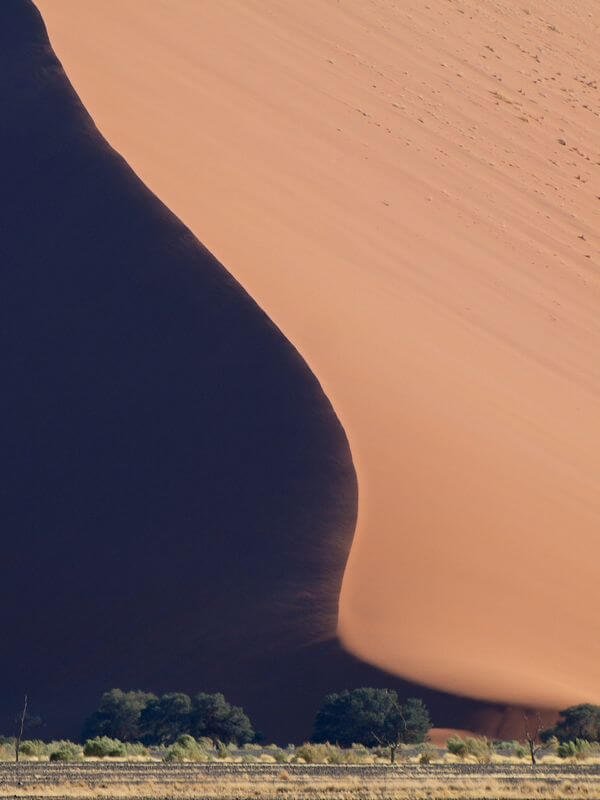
{"points": [[296, 782], [411, 191]]}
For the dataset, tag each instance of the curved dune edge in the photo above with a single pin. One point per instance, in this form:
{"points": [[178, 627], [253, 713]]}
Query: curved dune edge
{"points": [[178, 495], [416, 198]]}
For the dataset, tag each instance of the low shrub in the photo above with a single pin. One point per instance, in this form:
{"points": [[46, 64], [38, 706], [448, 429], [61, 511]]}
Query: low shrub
{"points": [[580, 749], [326, 753], [457, 746], [186, 748], [104, 747], [428, 754], [479, 748], [222, 751], [280, 756], [68, 751], [33, 748], [135, 749]]}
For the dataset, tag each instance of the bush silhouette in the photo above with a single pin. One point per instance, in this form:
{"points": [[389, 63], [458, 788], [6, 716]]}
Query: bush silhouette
{"points": [[104, 747]]}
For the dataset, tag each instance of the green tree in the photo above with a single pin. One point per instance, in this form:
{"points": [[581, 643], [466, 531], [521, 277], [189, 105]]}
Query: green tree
{"points": [[371, 717], [118, 715], [214, 717], [164, 719], [577, 722]]}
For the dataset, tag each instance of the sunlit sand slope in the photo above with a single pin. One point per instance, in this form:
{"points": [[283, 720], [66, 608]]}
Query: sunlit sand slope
{"points": [[178, 496], [411, 191]]}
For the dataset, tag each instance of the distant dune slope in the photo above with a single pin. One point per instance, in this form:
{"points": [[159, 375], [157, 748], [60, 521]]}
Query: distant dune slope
{"points": [[412, 193], [178, 496]]}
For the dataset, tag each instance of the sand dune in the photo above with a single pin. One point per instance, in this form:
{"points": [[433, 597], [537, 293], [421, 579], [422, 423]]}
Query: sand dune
{"points": [[178, 496], [411, 192]]}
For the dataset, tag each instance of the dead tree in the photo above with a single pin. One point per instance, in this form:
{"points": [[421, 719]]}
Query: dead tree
{"points": [[20, 729], [396, 735], [532, 733]]}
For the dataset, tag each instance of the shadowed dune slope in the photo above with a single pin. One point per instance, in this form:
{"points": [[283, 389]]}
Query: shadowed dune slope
{"points": [[431, 172], [178, 496]]}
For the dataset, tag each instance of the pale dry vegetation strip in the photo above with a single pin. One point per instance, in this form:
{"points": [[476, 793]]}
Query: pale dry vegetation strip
{"points": [[306, 787]]}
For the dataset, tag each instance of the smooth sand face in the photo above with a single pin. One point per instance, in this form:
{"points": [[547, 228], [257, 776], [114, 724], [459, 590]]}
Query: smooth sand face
{"points": [[416, 189]]}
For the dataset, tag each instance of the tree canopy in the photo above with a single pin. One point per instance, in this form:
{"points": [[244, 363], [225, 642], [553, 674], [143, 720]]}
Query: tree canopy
{"points": [[371, 717], [140, 716], [165, 718], [214, 717], [577, 722], [118, 715]]}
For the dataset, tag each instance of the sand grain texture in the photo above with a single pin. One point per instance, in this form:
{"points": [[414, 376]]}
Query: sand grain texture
{"points": [[411, 192]]}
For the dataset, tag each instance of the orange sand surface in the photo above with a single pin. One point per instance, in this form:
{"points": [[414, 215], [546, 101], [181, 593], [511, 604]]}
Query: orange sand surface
{"points": [[415, 187]]}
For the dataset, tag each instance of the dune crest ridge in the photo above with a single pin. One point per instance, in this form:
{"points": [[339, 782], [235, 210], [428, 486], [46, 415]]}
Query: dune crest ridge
{"points": [[431, 174], [178, 495]]}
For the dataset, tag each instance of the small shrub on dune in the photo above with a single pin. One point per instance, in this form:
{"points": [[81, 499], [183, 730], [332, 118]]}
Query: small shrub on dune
{"points": [[359, 754], [280, 756], [7, 748], [566, 750], [33, 748], [579, 750], [67, 751], [135, 750], [519, 751], [307, 753], [429, 753], [457, 746], [479, 748], [104, 747], [222, 751], [338, 756], [325, 753], [187, 741], [175, 754], [186, 748], [319, 754], [504, 748]]}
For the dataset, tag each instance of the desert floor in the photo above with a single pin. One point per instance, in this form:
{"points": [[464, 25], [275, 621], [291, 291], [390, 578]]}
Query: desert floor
{"points": [[237, 782]]}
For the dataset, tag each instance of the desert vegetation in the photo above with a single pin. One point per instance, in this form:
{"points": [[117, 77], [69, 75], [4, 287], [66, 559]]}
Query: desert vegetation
{"points": [[371, 717], [239, 781], [576, 722], [136, 716], [363, 727]]}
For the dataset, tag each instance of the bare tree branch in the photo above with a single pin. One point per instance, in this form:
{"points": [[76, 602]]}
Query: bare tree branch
{"points": [[20, 730], [532, 735]]}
